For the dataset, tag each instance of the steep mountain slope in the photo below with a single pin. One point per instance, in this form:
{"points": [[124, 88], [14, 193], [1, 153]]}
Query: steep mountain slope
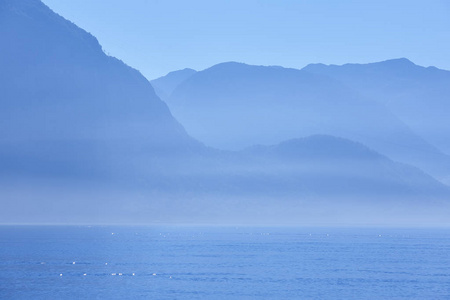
{"points": [[65, 103], [165, 85], [233, 105], [419, 96]]}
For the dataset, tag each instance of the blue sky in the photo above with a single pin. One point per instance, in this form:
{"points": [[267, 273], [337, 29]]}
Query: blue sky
{"points": [[159, 36]]}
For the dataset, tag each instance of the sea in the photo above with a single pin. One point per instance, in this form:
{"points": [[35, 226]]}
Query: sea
{"points": [[231, 262]]}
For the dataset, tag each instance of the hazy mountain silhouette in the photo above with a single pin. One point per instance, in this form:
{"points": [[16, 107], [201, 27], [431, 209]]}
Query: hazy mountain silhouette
{"points": [[165, 85], [314, 180], [84, 139], [317, 179], [63, 101], [234, 105], [419, 96], [327, 165]]}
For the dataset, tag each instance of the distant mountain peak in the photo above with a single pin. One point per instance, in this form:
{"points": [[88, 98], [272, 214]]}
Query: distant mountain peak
{"points": [[399, 61], [166, 84], [233, 65], [229, 65], [182, 71], [396, 63]]}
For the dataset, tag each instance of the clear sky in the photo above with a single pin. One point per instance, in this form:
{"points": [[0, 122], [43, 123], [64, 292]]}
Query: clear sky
{"points": [[159, 36]]}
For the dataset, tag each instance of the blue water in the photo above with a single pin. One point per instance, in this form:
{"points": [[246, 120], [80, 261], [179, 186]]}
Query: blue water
{"points": [[223, 263]]}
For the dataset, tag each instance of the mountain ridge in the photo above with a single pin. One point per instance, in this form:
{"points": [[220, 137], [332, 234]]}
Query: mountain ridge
{"points": [[85, 139], [419, 96], [272, 104]]}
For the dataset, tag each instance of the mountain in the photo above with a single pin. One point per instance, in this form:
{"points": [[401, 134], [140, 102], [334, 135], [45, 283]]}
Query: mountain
{"points": [[84, 139], [419, 96], [315, 180], [337, 167], [165, 85], [64, 102], [234, 105]]}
